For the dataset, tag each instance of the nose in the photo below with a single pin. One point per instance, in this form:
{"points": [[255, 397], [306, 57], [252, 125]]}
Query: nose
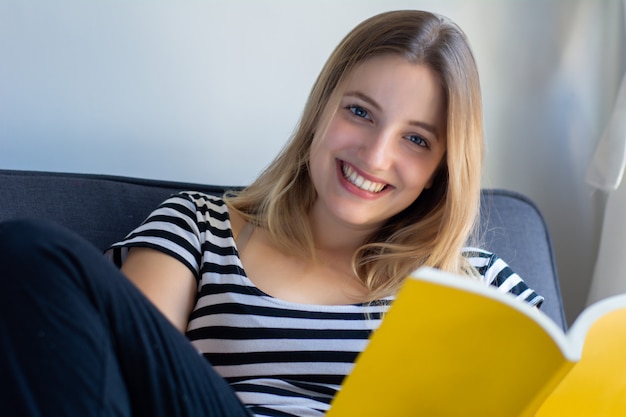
{"points": [[377, 151]]}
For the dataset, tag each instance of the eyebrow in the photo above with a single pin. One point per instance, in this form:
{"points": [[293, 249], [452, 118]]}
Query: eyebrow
{"points": [[375, 105]]}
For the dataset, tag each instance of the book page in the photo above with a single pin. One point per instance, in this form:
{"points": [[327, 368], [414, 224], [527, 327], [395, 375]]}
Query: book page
{"points": [[596, 386]]}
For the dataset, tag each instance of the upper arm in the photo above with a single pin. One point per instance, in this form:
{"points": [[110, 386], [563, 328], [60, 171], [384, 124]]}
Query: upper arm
{"points": [[166, 281]]}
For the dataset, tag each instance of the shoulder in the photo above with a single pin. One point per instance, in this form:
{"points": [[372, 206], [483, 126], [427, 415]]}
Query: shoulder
{"points": [[488, 264], [198, 207], [179, 226], [495, 271], [200, 201], [483, 260]]}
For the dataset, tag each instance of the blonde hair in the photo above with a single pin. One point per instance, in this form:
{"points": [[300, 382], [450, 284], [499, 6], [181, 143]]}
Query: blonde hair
{"points": [[435, 228]]}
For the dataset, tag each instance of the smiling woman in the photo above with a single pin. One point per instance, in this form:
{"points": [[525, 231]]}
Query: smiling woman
{"points": [[409, 72], [383, 140], [278, 285]]}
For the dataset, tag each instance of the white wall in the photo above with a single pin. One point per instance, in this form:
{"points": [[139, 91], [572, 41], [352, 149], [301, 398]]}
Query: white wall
{"points": [[209, 92]]}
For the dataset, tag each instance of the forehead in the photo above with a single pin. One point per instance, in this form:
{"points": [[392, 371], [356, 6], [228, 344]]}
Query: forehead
{"points": [[387, 68]]}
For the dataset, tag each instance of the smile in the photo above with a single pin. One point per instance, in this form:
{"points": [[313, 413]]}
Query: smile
{"points": [[358, 181]]}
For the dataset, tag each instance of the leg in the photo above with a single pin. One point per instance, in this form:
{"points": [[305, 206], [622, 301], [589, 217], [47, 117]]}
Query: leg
{"points": [[78, 339]]}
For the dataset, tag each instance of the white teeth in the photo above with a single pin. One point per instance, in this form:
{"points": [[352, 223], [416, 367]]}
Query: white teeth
{"points": [[359, 181]]}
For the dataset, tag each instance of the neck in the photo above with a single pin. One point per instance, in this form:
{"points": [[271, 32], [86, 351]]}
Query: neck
{"points": [[338, 238]]}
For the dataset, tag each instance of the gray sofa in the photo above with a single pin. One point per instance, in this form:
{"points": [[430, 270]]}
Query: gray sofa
{"points": [[104, 208]]}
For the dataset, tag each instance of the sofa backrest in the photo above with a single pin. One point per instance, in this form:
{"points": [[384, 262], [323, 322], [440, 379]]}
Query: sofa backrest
{"points": [[512, 226], [103, 209]]}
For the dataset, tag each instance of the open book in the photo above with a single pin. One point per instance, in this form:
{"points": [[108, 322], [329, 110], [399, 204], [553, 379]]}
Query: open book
{"points": [[452, 346]]}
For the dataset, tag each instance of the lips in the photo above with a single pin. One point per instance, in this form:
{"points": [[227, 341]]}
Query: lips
{"points": [[359, 181]]}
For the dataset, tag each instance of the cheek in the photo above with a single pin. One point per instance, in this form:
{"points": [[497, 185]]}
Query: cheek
{"points": [[340, 134], [318, 160], [328, 141], [420, 173], [323, 151]]}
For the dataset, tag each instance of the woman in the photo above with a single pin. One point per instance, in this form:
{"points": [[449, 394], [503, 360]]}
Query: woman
{"points": [[279, 285]]}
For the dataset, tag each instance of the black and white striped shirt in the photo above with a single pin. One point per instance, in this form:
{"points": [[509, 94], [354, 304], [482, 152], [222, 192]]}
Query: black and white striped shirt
{"points": [[281, 358]]}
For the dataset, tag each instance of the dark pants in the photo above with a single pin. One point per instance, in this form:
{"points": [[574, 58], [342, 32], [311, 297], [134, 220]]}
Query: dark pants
{"points": [[78, 339]]}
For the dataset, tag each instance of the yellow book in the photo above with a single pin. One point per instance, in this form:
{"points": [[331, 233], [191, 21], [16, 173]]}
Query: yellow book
{"points": [[452, 346]]}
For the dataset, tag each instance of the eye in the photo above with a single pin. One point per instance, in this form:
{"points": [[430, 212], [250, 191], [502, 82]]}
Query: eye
{"points": [[418, 140], [359, 111]]}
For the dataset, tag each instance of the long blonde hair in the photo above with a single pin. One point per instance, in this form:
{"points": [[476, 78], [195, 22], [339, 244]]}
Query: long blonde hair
{"points": [[434, 229]]}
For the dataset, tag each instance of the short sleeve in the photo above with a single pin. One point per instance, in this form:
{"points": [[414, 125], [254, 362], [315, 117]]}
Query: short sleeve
{"points": [[171, 228], [495, 271]]}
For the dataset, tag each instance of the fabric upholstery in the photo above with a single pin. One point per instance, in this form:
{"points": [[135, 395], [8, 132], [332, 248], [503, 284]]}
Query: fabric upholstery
{"points": [[104, 208], [512, 226]]}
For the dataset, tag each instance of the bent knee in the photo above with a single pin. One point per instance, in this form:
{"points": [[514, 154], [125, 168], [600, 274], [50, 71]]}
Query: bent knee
{"points": [[20, 237]]}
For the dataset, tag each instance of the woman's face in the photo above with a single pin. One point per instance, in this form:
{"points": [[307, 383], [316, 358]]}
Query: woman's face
{"points": [[383, 144]]}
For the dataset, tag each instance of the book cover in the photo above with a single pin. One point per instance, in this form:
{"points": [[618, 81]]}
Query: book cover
{"points": [[453, 346]]}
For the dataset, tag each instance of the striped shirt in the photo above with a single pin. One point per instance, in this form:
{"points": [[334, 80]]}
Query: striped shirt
{"points": [[281, 358]]}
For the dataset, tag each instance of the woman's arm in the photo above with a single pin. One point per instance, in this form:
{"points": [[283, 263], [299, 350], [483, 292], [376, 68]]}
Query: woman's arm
{"points": [[167, 282]]}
